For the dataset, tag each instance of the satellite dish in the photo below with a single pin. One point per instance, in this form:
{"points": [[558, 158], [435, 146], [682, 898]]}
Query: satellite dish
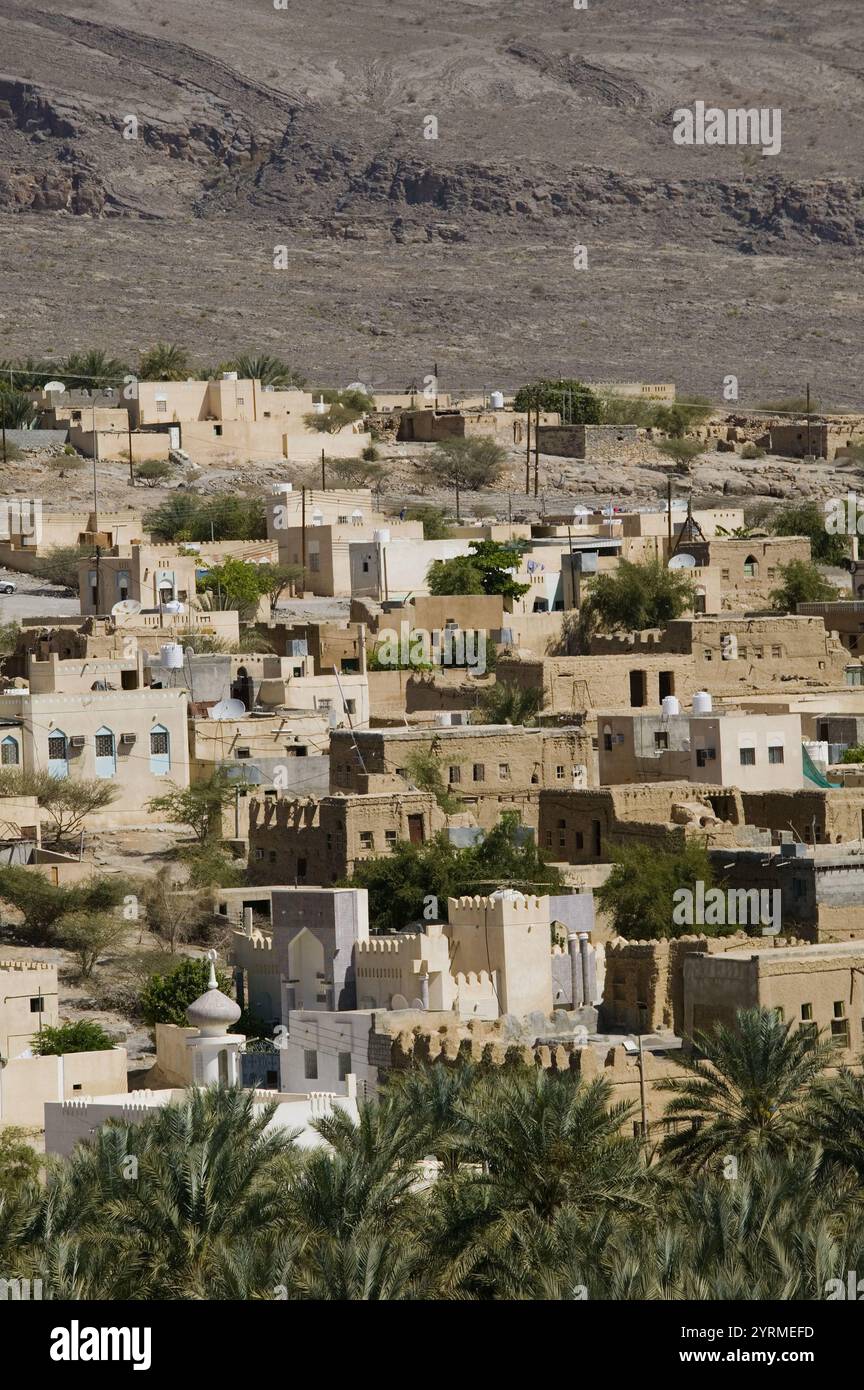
{"points": [[126, 608], [227, 709], [682, 561], [54, 386], [173, 606]]}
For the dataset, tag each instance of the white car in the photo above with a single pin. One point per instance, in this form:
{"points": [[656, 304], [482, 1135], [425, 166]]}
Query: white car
{"points": [[7, 587]]}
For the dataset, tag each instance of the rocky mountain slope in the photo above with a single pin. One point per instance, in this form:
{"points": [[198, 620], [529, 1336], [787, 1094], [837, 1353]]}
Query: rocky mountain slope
{"points": [[151, 162]]}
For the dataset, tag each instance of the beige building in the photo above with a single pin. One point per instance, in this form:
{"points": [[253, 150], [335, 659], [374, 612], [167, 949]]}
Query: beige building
{"points": [[818, 989], [237, 421], [492, 768], [28, 1003], [151, 575], [753, 751], [324, 550], [134, 739]]}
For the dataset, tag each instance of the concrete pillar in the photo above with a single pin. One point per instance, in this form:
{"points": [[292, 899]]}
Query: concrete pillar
{"points": [[589, 970], [577, 993], [424, 990]]}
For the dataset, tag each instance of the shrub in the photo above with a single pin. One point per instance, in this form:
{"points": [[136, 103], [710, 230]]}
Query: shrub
{"points": [[83, 1036], [165, 998]]}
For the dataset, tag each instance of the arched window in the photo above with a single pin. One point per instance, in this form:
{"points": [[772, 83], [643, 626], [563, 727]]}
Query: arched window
{"points": [[106, 753], [58, 754], [9, 752], [751, 567], [160, 750]]}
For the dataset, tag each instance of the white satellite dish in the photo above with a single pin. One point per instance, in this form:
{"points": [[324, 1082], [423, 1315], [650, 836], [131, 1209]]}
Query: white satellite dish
{"points": [[54, 386], [126, 608], [227, 709], [682, 561]]}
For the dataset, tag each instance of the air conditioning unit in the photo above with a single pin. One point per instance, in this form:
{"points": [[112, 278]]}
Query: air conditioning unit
{"points": [[77, 741], [126, 740]]}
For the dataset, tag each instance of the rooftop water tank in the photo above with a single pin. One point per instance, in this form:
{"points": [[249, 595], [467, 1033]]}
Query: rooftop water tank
{"points": [[670, 705], [702, 702], [443, 720], [230, 376], [171, 656], [278, 488], [381, 537], [496, 400], [319, 407]]}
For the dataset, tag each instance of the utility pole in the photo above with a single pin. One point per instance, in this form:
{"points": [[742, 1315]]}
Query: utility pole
{"points": [[809, 445], [323, 473], [644, 1124], [528, 451], [129, 437], [537, 448], [669, 514], [95, 460], [436, 387], [303, 531]]}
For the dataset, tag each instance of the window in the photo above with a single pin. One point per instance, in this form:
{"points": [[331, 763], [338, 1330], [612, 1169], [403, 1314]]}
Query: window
{"points": [[478, 773], [344, 1065], [37, 1006], [775, 754], [351, 706], [607, 739], [751, 567], [9, 752], [661, 740], [160, 750], [758, 653], [799, 888], [241, 752], [580, 839], [162, 407], [315, 562], [807, 1012], [840, 1031], [217, 430], [724, 574], [259, 854], [548, 839], [366, 839], [747, 757], [106, 756], [310, 1064], [504, 771], [390, 839], [454, 775], [839, 1009], [705, 756]]}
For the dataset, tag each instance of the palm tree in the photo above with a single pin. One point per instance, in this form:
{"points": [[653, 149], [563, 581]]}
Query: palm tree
{"points": [[17, 411], [26, 373], [164, 362], [93, 370], [270, 371], [748, 1091], [508, 704], [836, 1120]]}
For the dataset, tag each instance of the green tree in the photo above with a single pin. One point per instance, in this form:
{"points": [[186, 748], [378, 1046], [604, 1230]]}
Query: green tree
{"points": [[93, 370], [81, 1036], [19, 1162], [464, 465], [424, 770], [802, 582], [270, 371], [164, 362], [634, 597], [88, 935], [639, 892], [504, 703], [152, 472], [436, 522], [59, 564], [165, 998], [67, 801], [351, 473], [275, 579], [17, 411], [26, 373], [808, 519], [576, 403], [681, 415], [200, 805], [493, 562], [682, 450], [401, 882], [43, 905], [235, 584], [749, 1089]]}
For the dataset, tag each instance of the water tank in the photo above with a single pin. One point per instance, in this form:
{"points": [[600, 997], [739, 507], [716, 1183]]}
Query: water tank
{"points": [[171, 656], [819, 752], [319, 407], [496, 400], [381, 537], [670, 705], [702, 702], [230, 376], [443, 720], [173, 606], [279, 488]]}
